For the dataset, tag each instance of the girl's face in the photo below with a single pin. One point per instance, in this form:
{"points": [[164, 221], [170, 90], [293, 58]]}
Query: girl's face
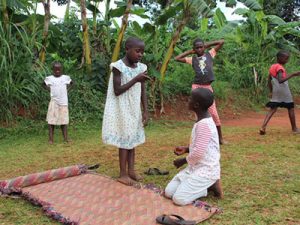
{"points": [[135, 53], [199, 48], [283, 59], [57, 70]]}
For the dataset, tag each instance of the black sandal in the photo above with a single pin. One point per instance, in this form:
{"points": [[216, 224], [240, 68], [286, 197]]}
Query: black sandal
{"points": [[155, 171], [177, 220]]}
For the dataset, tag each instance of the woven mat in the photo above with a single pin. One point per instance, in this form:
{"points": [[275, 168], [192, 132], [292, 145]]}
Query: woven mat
{"points": [[98, 200]]}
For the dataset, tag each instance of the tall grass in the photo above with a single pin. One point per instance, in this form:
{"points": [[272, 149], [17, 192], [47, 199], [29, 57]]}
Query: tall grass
{"points": [[21, 76]]}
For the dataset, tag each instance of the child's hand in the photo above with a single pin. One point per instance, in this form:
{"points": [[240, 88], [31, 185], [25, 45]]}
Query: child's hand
{"points": [[179, 162], [145, 119], [180, 150], [142, 77]]}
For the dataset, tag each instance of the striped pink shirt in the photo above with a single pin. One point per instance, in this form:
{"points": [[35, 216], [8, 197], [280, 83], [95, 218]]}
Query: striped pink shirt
{"points": [[204, 150]]}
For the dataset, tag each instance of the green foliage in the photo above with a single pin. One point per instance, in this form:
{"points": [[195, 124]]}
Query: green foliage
{"points": [[179, 80], [250, 45], [20, 79], [85, 101]]}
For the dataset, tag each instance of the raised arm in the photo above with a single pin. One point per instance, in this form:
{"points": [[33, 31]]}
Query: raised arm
{"points": [[218, 44], [120, 89], [181, 57], [281, 80]]}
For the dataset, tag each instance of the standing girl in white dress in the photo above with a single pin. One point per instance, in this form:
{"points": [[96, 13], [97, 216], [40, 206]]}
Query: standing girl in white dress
{"points": [[58, 112], [123, 119]]}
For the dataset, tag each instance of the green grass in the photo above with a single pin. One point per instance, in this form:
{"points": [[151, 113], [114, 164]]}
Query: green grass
{"points": [[260, 174]]}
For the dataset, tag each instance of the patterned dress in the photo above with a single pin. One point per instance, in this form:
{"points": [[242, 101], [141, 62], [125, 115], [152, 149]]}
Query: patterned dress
{"points": [[122, 120]]}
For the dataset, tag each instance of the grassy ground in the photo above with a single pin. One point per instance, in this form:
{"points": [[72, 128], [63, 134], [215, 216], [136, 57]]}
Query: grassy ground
{"points": [[260, 174]]}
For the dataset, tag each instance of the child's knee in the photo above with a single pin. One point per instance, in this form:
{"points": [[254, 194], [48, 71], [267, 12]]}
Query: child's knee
{"points": [[168, 192], [180, 200]]}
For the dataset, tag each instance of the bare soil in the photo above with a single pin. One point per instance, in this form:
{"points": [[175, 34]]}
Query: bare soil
{"points": [[178, 110]]}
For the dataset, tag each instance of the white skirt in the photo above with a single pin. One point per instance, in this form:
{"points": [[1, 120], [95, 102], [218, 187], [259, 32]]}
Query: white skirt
{"points": [[57, 114]]}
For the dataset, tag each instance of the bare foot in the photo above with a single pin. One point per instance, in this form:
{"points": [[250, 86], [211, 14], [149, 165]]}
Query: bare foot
{"points": [[135, 176], [126, 180], [262, 131], [222, 142], [216, 188], [296, 131], [68, 141], [50, 142]]}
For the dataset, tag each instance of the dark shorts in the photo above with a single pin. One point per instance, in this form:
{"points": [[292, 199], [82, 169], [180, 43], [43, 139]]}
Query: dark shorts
{"points": [[272, 105]]}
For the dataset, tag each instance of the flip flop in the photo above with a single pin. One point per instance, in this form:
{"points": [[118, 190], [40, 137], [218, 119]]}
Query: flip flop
{"points": [[176, 220], [155, 171]]}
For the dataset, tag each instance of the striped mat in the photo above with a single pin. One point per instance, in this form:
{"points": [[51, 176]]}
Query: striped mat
{"points": [[92, 199]]}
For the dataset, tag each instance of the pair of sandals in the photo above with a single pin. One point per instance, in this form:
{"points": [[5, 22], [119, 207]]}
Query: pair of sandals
{"points": [[173, 220], [156, 171]]}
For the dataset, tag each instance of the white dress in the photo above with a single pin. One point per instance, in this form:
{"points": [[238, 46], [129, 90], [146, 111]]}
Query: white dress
{"points": [[122, 120]]}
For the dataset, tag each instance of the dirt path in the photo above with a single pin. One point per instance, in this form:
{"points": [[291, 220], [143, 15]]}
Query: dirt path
{"points": [[255, 119], [177, 110]]}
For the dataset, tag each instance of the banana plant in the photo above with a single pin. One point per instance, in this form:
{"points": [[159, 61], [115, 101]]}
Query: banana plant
{"points": [[93, 7], [85, 31], [251, 4], [124, 9], [183, 11], [117, 48], [46, 5], [4, 11]]}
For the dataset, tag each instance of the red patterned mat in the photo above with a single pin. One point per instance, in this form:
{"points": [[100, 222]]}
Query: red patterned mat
{"points": [[98, 200]]}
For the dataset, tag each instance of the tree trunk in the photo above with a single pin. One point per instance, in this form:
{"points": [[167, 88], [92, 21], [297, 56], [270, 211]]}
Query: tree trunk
{"points": [[122, 31], [46, 29], [5, 14], [170, 51], [167, 58], [106, 19], [67, 13], [86, 42]]}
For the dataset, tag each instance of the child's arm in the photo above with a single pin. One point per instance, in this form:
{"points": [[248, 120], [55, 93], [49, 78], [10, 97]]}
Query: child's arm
{"points": [[120, 89], [69, 86], [270, 83], [181, 57], [144, 104], [179, 162], [44, 85], [218, 44], [200, 144], [281, 80], [180, 150]]}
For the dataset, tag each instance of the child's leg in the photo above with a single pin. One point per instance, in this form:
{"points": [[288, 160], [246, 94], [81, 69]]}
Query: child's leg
{"points": [[269, 115], [214, 114], [191, 189], [217, 189], [131, 162], [123, 159], [51, 133], [221, 141], [64, 132], [293, 119]]}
